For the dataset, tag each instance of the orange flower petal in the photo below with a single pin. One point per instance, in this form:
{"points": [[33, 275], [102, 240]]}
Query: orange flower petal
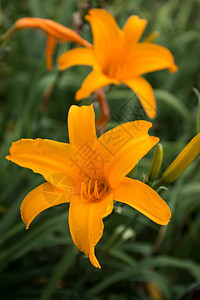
{"points": [[49, 158], [82, 135], [86, 225], [93, 81], [143, 198], [145, 94], [107, 36], [78, 56], [81, 125], [39, 199], [50, 46], [53, 28], [133, 30], [149, 57], [122, 147]]}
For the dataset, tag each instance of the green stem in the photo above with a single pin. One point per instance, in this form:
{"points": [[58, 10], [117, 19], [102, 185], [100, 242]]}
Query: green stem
{"points": [[7, 34], [198, 110], [157, 184]]}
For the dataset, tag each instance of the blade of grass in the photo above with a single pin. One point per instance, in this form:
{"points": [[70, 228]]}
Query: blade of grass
{"points": [[58, 273]]}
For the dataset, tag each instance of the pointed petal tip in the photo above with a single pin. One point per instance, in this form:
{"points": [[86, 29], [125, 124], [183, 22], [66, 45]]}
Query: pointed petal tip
{"points": [[78, 96], [93, 259], [145, 200], [152, 114], [141, 125], [167, 220], [88, 17], [144, 91], [155, 139], [166, 216], [27, 223], [61, 62], [173, 69]]}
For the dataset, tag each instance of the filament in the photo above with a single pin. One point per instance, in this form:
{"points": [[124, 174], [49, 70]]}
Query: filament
{"points": [[92, 189]]}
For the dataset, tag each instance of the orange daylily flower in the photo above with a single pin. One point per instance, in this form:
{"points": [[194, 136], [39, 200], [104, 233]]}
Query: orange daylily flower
{"points": [[89, 173], [55, 32], [118, 57]]}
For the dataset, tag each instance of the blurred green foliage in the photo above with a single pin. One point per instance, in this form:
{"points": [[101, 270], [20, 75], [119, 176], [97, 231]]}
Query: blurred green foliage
{"points": [[42, 263]]}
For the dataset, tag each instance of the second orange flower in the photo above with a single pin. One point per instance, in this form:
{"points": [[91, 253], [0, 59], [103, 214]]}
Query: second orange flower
{"points": [[116, 56]]}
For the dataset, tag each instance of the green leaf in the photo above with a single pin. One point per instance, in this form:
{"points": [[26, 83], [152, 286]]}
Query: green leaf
{"points": [[175, 103], [58, 273]]}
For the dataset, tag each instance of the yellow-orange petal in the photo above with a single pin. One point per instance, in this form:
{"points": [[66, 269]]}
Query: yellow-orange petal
{"points": [[149, 57], [42, 197], [143, 198], [53, 28], [50, 46], [81, 126], [122, 147], [49, 158], [77, 56], [145, 94], [86, 225], [93, 81], [107, 36], [82, 135], [133, 30]]}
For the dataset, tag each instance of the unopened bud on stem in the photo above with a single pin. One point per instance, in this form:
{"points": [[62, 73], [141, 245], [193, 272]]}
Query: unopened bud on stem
{"points": [[183, 160], [151, 37], [156, 163]]}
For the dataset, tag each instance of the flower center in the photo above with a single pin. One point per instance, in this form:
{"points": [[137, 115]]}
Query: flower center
{"points": [[115, 69], [93, 189]]}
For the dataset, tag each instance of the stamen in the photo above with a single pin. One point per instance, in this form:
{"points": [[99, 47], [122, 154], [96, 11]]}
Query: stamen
{"points": [[85, 190], [89, 184], [96, 189], [92, 189], [82, 186]]}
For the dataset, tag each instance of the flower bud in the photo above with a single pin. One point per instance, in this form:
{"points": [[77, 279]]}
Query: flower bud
{"points": [[156, 163], [151, 37], [183, 160]]}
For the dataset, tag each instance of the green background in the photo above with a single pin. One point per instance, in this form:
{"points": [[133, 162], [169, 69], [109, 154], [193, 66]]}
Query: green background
{"points": [[43, 263]]}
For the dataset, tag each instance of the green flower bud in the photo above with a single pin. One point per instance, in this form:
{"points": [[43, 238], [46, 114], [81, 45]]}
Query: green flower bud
{"points": [[156, 163], [183, 160]]}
